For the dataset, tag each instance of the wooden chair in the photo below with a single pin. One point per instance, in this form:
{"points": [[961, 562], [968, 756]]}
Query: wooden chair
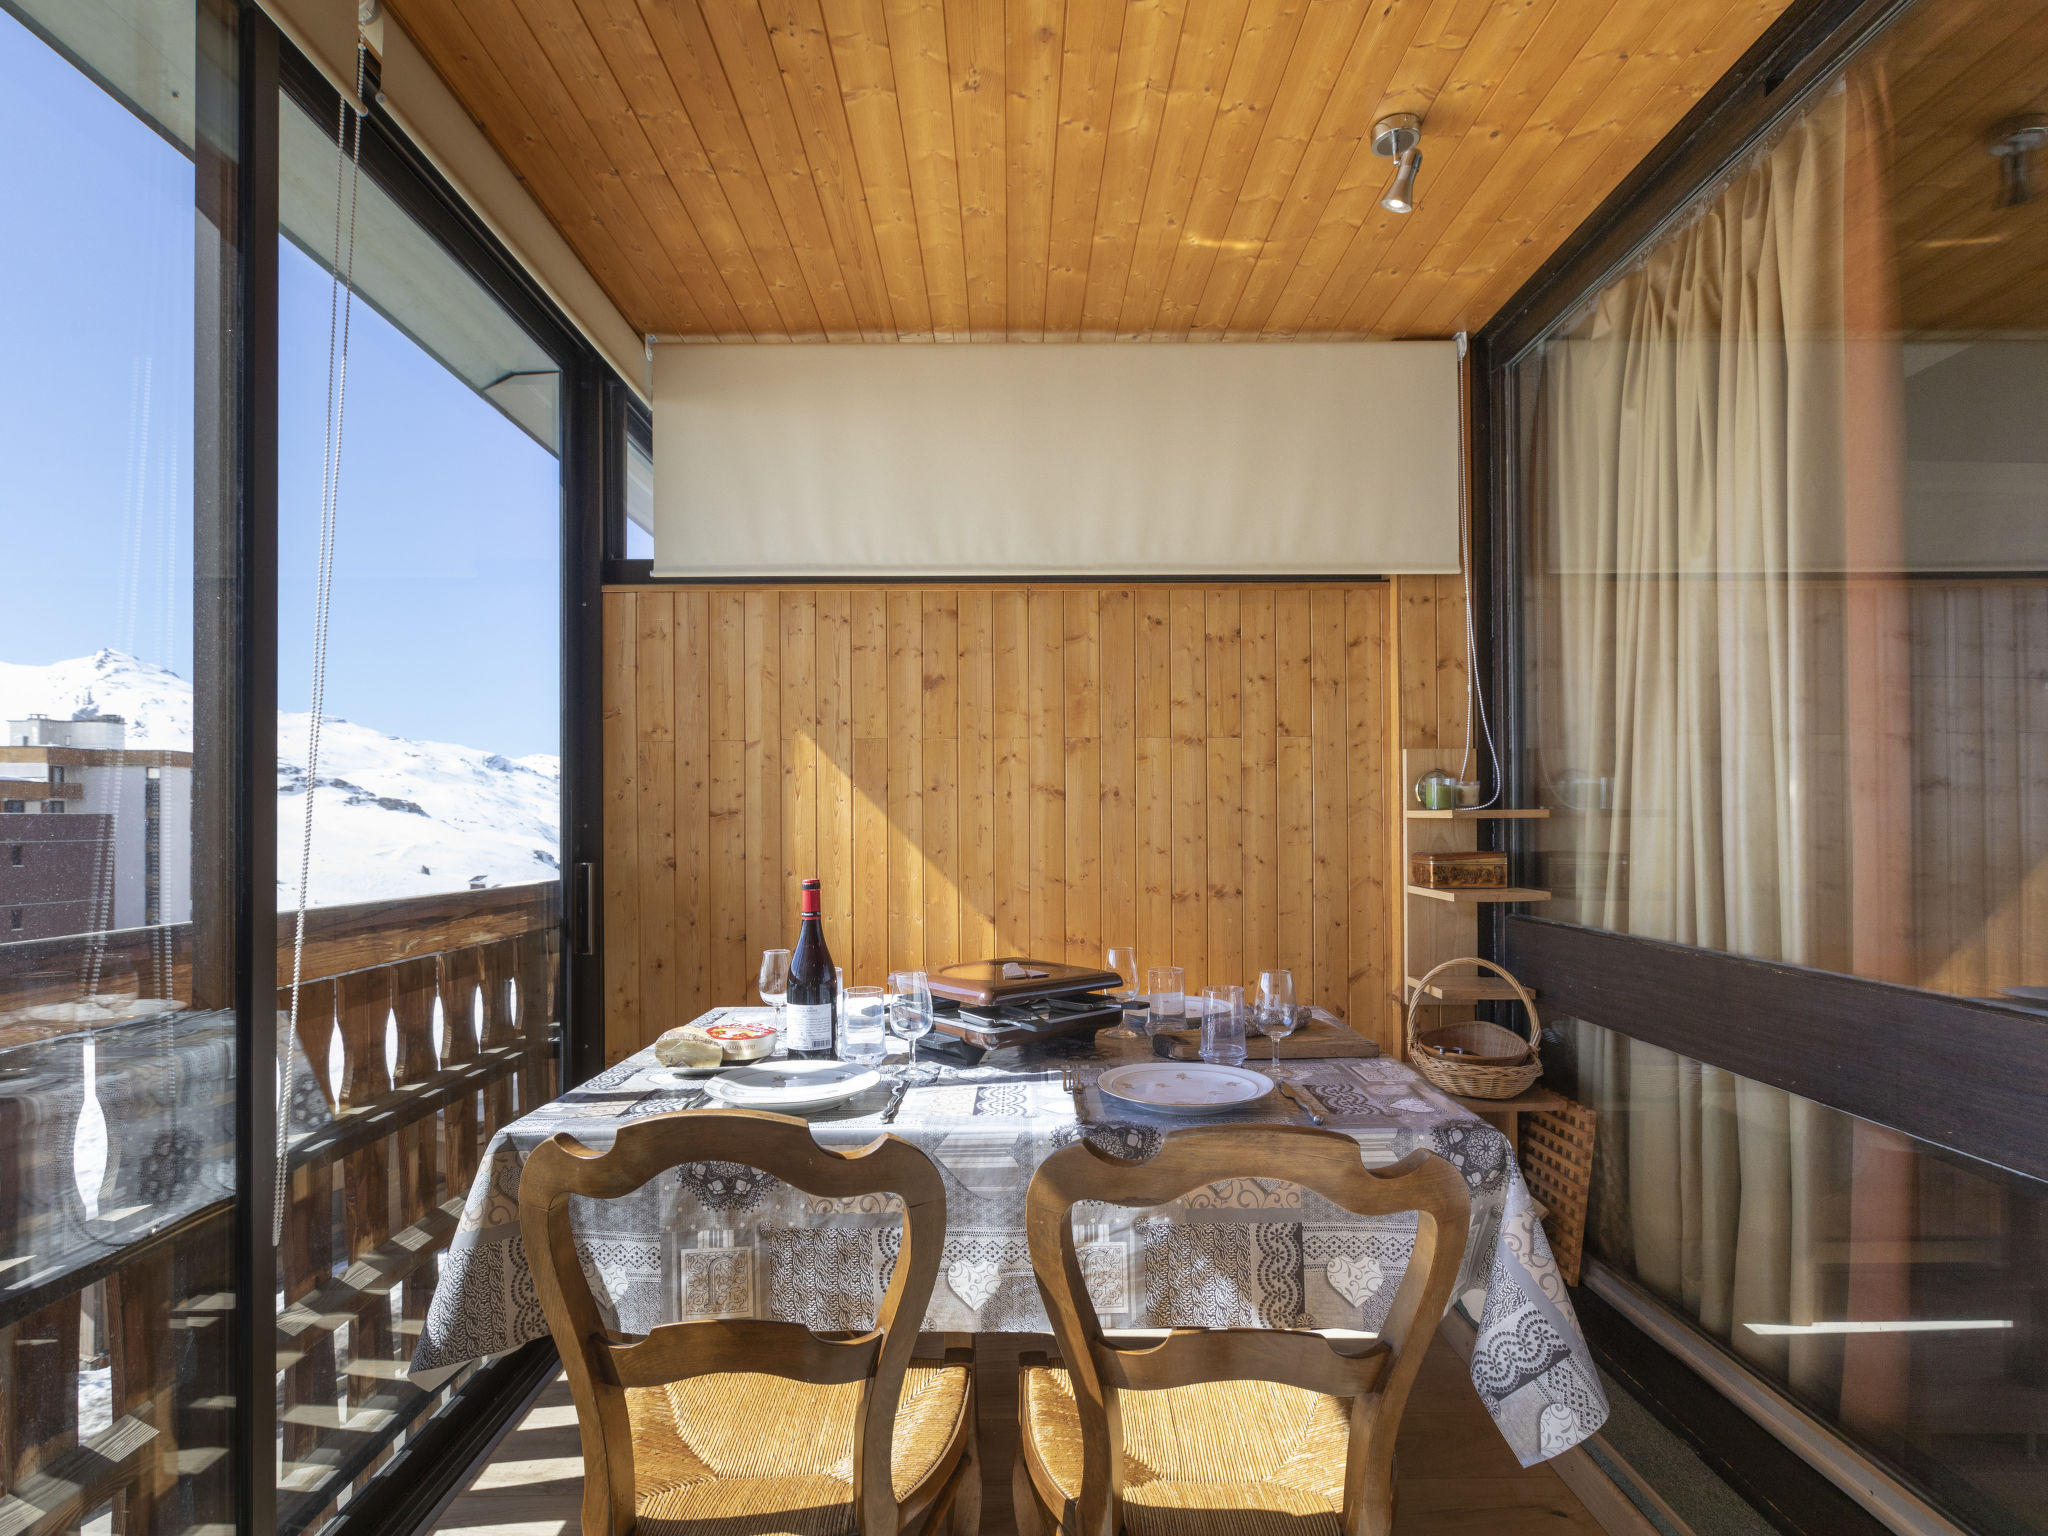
{"points": [[1226, 1431], [744, 1426]]}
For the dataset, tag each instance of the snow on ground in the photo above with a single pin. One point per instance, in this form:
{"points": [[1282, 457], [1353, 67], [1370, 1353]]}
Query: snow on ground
{"points": [[391, 817]]}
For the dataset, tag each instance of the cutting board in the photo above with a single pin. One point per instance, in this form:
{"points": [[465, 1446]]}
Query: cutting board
{"points": [[1318, 1037]]}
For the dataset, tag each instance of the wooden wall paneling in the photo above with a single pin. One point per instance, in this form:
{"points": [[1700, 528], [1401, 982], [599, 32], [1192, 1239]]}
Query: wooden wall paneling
{"points": [[1187, 655], [1371, 989], [1117, 650], [621, 932], [1082, 754], [655, 836], [1045, 621], [940, 685], [835, 767], [1201, 772], [977, 767], [1259, 779], [905, 792], [1329, 861], [799, 726], [924, 99], [1223, 789], [1011, 794], [692, 725]]}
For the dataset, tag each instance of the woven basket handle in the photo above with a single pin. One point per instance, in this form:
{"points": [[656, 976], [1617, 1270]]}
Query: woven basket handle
{"points": [[1422, 995]]}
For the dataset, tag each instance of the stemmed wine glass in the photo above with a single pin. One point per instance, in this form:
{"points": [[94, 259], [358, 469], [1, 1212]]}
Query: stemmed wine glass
{"points": [[774, 981], [1124, 961], [1275, 1015], [910, 1007]]}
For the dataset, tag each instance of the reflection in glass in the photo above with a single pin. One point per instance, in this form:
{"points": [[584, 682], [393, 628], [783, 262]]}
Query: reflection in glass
{"points": [[1785, 527]]}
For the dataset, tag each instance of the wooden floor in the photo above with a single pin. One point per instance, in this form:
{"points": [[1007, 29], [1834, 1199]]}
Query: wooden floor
{"points": [[1456, 1474]]}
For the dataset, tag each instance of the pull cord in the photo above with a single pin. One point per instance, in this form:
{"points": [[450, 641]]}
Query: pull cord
{"points": [[348, 162]]}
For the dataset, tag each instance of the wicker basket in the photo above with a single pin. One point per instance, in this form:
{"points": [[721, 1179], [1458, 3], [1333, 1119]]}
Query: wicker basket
{"points": [[1475, 1060]]}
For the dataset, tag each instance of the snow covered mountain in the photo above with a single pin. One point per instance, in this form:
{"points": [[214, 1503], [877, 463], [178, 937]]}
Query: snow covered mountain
{"points": [[391, 818]]}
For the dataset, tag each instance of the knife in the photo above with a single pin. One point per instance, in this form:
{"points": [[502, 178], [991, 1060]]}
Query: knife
{"points": [[1309, 1097], [1300, 1103]]}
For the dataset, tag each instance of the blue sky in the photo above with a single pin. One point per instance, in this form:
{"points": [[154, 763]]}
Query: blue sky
{"points": [[445, 616]]}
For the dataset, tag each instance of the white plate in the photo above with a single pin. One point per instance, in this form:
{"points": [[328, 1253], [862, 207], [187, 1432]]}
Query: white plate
{"points": [[673, 1077], [2025, 994], [1184, 1087], [791, 1084]]}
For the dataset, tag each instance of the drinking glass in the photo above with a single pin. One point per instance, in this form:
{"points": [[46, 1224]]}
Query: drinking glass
{"points": [[775, 981], [910, 1007], [1274, 1016], [1167, 984], [1223, 1026], [863, 1037], [1124, 961]]}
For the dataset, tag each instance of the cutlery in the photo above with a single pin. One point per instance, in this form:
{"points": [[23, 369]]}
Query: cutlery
{"points": [[902, 1086], [1309, 1097], [1070, 1080], [1300, 1103]]}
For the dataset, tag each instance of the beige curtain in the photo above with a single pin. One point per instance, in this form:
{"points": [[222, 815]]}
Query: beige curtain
{"points": [[1697, 624]]}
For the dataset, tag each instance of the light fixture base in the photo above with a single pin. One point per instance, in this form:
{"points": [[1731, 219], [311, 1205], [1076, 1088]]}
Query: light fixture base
{"points": [[1395, 135]]}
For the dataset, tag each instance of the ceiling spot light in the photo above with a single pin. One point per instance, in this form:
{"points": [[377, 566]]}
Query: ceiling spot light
{"points": [[1399, 139], [2014, 142]]}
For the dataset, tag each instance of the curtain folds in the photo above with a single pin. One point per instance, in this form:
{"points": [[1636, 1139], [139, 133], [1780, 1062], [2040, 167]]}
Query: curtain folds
{"points": [[1699, 630]]}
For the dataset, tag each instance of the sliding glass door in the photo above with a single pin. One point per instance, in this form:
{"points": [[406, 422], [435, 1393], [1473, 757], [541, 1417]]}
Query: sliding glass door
{"points": [[1782, 515], [119, 838], [420, 509]]}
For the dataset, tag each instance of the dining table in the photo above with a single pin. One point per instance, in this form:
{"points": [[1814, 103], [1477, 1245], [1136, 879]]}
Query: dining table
{"points": [[717, 1240]]}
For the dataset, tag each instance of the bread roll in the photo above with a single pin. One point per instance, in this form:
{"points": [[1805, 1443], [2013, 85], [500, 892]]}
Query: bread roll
{"points": [[688, 1047]]}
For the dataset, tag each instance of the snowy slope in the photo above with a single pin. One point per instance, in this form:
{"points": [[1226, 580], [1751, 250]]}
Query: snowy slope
{"points": [[391, 817]]}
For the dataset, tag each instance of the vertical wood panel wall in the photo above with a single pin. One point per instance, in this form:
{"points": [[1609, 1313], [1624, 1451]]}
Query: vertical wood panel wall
{"points": [[1201, 771]]}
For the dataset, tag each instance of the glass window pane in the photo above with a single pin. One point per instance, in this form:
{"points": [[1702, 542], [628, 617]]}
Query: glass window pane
{"points": [[117, 1037], [1785, 549], [435, 800]]}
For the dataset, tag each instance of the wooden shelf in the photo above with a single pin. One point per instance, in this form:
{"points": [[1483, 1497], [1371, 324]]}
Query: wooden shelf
{"points": [[1417, 813], [1468, 989], [1482, 894]]}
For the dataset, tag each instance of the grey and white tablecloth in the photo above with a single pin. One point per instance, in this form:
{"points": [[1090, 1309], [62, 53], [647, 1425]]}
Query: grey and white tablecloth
{"points": [[719, 1240]]}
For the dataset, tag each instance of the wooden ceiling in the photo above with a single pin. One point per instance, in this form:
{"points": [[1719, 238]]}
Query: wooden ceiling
{"points": [[1952, 72], [989, 169]]}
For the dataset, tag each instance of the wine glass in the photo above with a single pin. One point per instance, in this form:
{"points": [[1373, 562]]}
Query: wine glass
{"points": [[775, 981], [1124, 961], [1275, 1015], [910, 1008]]}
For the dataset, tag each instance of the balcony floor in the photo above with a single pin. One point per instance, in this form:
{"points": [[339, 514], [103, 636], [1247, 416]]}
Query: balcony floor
{"points": [[1456, 1474]]}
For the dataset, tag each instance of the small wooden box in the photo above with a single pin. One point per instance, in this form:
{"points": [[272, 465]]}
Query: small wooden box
{"points": [[1457, 871]]}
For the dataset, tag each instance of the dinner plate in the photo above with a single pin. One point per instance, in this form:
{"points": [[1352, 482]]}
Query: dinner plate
{"points": [[675, 1077], [2025, 994], [791, 1084], [1184, 1087]]}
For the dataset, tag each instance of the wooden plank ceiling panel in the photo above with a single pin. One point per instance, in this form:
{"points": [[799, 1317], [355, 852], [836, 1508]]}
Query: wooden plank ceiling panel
{"points": [[862, 170]]}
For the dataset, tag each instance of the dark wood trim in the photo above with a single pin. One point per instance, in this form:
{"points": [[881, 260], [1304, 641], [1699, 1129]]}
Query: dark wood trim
{"points": [[1799, 51], [1767, 1474], [250, 778], [1884, 1053]]}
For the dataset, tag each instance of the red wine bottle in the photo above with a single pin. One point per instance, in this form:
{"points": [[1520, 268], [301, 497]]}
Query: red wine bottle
{"points": [[811, 1010]]}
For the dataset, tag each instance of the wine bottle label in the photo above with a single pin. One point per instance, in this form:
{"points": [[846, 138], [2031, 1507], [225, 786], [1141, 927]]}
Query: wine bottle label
{"points": [[808, 1026]]}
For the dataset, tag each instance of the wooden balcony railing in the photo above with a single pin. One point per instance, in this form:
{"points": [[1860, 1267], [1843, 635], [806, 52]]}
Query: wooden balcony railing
{"points": [[425, 1026]]}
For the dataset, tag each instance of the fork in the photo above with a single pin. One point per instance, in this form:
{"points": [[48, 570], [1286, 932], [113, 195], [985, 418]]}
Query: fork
{"points": [[1072, 1082]]}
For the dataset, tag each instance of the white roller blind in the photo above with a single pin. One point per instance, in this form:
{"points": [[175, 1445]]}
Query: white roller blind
{"points": [[1266, 459]]}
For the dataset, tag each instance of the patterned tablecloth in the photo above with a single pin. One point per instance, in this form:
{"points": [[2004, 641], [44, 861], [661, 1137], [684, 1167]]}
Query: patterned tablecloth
{"points": [[718, 1240]]}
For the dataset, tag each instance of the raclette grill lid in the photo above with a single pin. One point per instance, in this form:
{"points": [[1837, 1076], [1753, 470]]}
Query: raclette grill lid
{"points": [[983, 983]]}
